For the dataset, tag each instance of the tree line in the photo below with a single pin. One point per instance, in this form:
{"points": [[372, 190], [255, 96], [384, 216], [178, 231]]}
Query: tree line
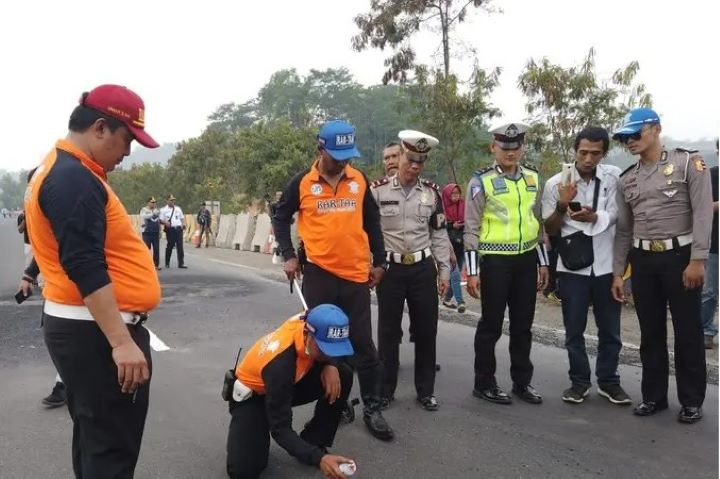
{"points": [[249, 150]]}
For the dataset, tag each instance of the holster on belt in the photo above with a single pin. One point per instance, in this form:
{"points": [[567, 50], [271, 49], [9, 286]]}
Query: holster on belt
{"points": [[302, 257]]}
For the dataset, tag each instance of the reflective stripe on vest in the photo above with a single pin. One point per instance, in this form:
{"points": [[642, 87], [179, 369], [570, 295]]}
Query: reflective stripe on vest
{"points": [[509, 225]]}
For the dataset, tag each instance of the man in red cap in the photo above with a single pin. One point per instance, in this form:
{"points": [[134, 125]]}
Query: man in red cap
{"points": [[100, 281]]}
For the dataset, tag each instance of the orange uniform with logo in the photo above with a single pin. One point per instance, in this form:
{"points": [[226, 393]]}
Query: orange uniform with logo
{"points": [[330, 223], [267, 348], [129, 264]]}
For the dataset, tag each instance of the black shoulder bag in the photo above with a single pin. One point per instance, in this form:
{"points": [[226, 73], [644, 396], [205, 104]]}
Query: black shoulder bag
{"points": [[576, 250]]}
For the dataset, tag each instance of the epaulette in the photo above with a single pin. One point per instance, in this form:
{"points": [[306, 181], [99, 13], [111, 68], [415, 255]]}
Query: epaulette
{"points": [[382, 181], [429, 183], [529, 167], [628, 168], [483, 171], [686, 150]]}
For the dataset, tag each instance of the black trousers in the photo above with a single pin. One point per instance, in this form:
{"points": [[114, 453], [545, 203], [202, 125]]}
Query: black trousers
{"points": [[506, 281], [417, 284], [552, 267], [152, 241], [249, 434], [320, 287], [107, 424], [657, 281], [174, 238], [205, 231]]}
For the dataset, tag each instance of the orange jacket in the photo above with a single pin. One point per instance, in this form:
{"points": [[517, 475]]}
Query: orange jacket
{"points": [[289, 335], [82, 237]]}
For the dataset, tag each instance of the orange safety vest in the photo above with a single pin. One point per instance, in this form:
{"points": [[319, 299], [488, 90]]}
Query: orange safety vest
{"points": [[267, 348], [130, 267]]}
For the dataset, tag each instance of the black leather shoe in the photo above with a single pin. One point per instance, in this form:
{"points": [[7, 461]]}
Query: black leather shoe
{"points": [[377, 425], [429, 403], [527, 394], [182, 266], [347, 415], [385, 402], [690, 414], [493, 394], [57, 397], [649, 408]]}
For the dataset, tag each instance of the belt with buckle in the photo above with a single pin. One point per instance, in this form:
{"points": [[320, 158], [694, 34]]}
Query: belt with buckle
{"points": [[660, 245], [408, 258], [82, 313]]}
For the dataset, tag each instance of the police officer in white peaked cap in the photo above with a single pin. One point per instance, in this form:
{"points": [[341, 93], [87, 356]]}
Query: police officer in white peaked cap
{"points": [[413, 226]]}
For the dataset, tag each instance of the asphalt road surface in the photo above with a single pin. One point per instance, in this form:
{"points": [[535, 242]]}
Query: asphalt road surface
{"points": [[210, 310]]}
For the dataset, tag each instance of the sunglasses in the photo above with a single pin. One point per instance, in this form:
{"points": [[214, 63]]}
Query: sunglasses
{"points": [[626, 138]]}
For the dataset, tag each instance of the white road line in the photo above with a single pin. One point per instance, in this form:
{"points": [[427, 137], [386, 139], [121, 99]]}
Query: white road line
{"points": [[156, 343]]}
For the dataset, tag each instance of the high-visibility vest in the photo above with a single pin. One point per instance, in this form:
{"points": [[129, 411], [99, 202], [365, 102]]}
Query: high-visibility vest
{"points": [[509, 225]]}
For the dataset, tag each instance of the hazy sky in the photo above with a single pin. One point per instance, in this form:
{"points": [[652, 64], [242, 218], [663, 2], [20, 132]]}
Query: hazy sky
{"points": [[186, 58]]}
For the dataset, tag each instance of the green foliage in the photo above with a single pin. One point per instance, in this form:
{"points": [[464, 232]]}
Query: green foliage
{"points": [[392, 23], [562, 101], [134, 185], [12, 190], [455, 117]]}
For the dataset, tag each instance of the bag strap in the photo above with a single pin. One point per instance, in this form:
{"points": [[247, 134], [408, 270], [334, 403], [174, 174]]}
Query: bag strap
{"points": [[595, 196]]}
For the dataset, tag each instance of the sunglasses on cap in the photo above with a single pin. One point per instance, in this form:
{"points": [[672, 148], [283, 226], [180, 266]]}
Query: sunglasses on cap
{"points": [[624, 139]]}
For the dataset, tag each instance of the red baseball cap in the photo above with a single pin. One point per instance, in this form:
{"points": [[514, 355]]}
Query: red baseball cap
{"points": [[122, 104]]}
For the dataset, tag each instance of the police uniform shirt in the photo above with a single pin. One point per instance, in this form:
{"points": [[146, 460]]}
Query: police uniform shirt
{"points": [[670, 198], [476, 202], [413, 222], [603, 230], [177, 215], [150, 218]]}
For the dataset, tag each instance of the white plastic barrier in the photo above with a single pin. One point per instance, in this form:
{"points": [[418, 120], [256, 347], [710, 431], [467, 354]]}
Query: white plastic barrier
{"points": [[262, 232], [223, 229], [241, 229]]}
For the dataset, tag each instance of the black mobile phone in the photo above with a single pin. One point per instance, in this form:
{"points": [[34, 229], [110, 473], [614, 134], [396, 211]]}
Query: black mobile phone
{"points": [[20, 296], [574, 206]]}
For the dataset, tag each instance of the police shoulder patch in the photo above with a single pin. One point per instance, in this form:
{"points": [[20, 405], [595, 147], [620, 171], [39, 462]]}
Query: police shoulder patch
{"points": [[530, 167], [429, 183], [482, 171], [382, 181], [628, 169]]}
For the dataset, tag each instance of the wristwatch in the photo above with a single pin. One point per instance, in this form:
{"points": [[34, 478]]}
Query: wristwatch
{"points": [[384, 265]]}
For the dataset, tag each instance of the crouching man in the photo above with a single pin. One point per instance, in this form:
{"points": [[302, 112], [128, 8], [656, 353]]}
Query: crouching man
{"points": [[291, 366]]}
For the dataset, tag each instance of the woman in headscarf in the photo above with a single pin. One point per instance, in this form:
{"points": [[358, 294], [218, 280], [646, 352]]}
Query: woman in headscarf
{"points": [[454, 207]]}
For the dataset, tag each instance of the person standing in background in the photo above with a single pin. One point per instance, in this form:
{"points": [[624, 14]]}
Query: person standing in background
{"points": [[172, 217], [454, 207], [150, 216], [709, 296]]}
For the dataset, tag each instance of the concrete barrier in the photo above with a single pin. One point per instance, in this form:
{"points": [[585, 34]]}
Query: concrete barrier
{"points": [[191, 225], [226, 230], [241, 228], [222, 230], [247, 241], [262, 233], [228, 243]]}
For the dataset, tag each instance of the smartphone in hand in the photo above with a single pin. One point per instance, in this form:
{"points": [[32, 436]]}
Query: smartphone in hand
{"points": [[574, 206], [20, 296]]}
